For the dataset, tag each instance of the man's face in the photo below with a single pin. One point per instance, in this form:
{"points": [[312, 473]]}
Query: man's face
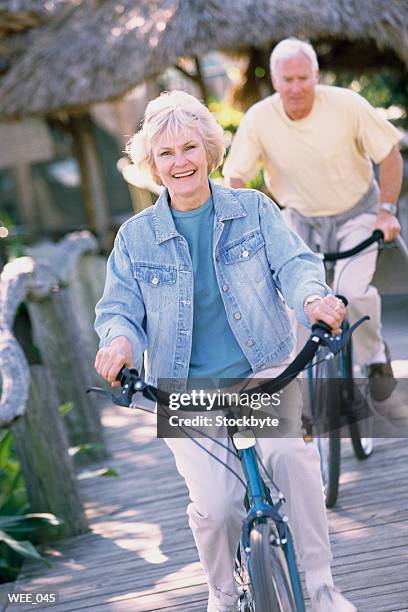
{"points": [[295, 79]]}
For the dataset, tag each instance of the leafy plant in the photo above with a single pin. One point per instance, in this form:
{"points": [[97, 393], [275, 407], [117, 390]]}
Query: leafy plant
{"points": [[19, 531], [229, 118], [387, 88]]}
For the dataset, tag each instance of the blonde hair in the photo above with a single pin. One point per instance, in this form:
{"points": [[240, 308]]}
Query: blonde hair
{"points": [[169, 114], [289, 47]]}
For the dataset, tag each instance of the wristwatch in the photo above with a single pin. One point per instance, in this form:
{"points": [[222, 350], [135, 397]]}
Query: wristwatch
{"points": [[390, 208], [310, 299]]}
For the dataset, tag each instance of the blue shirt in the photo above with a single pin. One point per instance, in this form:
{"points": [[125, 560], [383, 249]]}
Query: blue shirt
{"points": [[215, 352]]}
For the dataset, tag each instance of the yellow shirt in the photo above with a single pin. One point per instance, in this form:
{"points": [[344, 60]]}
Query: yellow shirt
{"points": [[319, 165]]}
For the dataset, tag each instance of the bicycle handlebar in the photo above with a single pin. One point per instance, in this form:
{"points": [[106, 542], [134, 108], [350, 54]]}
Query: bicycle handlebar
{"points": [[132, 383], [376, 236]]}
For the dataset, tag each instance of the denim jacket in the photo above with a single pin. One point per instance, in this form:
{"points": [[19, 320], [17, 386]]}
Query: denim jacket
{"points": [[260, 264]]}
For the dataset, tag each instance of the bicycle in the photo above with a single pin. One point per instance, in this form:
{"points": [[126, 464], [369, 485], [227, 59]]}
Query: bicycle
{"points": [[345, 402], [265, 568]]}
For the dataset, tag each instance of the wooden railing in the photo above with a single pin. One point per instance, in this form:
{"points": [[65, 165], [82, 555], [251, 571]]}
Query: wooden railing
{"points": [[59, 285]]}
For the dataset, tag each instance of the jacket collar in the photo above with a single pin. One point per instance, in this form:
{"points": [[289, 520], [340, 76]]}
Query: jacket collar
{"points": [[226, 206]]}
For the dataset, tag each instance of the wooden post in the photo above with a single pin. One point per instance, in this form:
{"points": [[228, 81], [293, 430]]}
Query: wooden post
{"points": [[42, 449], [62, 321], [14, 282], [58, 336], [38, 431], [86, 287], [26, 195], [92, 182]]}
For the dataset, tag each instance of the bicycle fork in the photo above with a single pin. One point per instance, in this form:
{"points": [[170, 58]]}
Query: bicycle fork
{"points": [[262, 508]]}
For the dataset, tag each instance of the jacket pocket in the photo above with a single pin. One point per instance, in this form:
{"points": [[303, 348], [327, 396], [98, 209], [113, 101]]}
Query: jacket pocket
{"points": [[155, 275], [157, 284], [242, 250]]}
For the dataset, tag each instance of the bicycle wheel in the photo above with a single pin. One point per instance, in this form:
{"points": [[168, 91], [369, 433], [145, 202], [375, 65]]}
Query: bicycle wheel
{"points": [[325, 410], [361, 429], [270, 580], [361, 439]]}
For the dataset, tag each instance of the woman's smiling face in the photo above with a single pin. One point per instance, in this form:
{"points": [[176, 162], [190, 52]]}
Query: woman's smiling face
{"points": [[181, 163]]}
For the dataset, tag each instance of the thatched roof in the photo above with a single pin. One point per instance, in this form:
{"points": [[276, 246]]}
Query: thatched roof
{"points": [[20, 15], [18, 20], [103, 48]]}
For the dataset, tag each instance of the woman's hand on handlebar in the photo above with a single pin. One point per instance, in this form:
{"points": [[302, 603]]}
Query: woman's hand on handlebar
{"points": [[330, 310], [111, 359]]}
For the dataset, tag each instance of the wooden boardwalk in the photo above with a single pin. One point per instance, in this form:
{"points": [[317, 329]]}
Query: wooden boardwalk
{"points": [[140, 556]]}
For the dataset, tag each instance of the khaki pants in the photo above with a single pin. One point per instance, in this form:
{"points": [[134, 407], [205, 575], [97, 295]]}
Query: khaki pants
{"points": [[352, 278], [216, 510]]}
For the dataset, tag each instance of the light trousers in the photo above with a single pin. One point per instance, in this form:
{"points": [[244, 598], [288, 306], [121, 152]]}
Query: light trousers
{"points": [[352, 278], [216, 508]]}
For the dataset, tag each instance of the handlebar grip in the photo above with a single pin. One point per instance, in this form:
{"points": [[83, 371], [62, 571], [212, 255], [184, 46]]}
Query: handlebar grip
{"points": [[126, 373], [322, 325], [378, 234], [342, 298], [122, 372]]}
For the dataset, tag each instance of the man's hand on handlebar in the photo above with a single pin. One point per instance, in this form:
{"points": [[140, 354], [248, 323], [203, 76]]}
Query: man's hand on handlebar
{"points": [[330, 310], [111, 359], [388, 224]]}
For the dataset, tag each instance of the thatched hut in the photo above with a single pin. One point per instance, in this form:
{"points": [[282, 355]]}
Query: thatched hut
{"points": [[72, 54], [97, 50]]}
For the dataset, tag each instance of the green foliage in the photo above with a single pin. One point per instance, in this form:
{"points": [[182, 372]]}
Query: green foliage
{"points": [[19, 531], [109, 472], [14, 245], [65, 408], [13, 498], [229, 118], [86, 447], [383, 89]]}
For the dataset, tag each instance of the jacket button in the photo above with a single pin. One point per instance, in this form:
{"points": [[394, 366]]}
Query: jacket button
{"points": [[251, 342], [237, 316], [245, 253], [225, 287], [155, 280]]}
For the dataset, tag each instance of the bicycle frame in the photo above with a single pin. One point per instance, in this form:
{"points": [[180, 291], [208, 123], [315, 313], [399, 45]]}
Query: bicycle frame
{"points": [[261, 508]]}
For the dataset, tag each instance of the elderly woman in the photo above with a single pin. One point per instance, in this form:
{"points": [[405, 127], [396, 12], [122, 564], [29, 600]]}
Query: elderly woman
{"points": [[195, 282]]}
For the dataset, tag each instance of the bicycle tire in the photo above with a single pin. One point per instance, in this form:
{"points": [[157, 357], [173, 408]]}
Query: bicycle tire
{"points": [[361, 431], [270, 580], [325, 394], [362, 444]]}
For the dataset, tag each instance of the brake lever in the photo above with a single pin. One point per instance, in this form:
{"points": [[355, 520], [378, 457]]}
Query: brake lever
{"points": [[119, 400], [336, 343], [131, 383]]}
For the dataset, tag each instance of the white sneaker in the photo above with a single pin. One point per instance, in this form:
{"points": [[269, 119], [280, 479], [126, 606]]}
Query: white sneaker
{"points": [[329, 599]]}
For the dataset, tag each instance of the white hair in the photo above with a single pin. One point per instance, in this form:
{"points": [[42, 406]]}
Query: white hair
{"points": [[289, 48], [171, 113]]}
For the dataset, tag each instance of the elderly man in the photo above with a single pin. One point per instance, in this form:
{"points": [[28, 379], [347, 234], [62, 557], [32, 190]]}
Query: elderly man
{"points": [[317, 144]]}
